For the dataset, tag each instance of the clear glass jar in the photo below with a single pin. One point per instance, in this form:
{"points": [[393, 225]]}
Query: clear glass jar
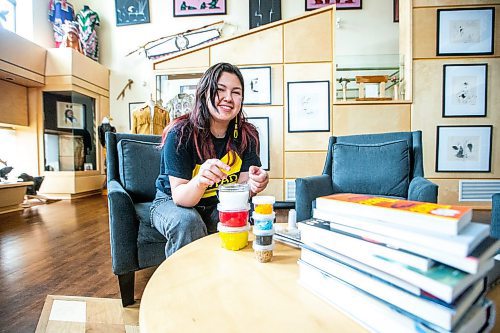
{"points": [[234, 196]]}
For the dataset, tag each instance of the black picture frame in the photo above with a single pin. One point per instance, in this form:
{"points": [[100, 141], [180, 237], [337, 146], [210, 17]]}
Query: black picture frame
{"points": [[395, 11], [132, 106], [464, 148], [131, 12], [465, 89], [461, 31], [262, 124], [262, 12], [258, 85], [308, 106]]}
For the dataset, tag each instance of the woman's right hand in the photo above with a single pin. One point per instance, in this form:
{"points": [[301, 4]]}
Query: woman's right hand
{"points": [[210, 172]]}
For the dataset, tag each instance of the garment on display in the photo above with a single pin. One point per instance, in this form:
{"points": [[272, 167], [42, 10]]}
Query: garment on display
{"points": [[180, 105], [60, 12], [88, 20], [149, 120], [103, 128]]}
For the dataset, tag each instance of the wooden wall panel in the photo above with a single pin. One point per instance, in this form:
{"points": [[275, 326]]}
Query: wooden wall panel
{"points": [[306, 72], [427, 111], [275, 114], [351, 119], [449, 193], [303, 164], [425, 32], [309, 39], [14, 109], [264, 47], [274, 188], [196, 59]]}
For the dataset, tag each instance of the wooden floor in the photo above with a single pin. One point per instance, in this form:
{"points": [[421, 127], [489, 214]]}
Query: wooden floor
{"points": [[61, 248]]}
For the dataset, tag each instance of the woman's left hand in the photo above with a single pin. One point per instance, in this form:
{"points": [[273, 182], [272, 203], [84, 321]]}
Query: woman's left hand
{"points": [[257, 179]]}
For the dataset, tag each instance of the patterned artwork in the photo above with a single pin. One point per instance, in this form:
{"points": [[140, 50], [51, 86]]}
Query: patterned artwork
{"points": [[132, 12], [264, 12], [199, 7]]}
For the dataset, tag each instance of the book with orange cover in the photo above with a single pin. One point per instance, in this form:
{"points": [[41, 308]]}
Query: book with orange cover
{"points": [[438, 218]]}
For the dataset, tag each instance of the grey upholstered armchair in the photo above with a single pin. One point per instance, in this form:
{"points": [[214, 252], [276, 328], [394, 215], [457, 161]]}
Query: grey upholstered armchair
{"points": [[133, 164], [387, 164]]}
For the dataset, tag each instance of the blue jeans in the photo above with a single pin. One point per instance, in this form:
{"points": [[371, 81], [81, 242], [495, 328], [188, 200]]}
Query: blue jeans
{"points": [[181, 225]]}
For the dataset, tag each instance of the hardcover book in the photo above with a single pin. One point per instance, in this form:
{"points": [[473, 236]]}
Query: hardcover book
{"points": [[438, 218]]}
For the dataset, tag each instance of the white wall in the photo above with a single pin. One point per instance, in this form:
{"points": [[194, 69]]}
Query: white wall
{"points": [[369, 30]]}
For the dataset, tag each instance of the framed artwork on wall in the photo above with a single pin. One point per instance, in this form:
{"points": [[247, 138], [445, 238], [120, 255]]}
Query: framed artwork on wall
{"points": [[339, 4], [308, 106], [262, 124], [130, 12], [464, 90], [70, 115], [257, 85], [199, 7], [263, 12], [131, 108], [464, 148], [465, 31], [395, 11]]}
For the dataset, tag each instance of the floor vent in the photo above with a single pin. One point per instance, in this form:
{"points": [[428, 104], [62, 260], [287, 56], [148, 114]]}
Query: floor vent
{"points": [[290, 190], [477, 190]]}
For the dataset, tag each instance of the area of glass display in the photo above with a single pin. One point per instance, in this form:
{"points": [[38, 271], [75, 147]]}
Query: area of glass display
{"points": [[69, 131], [348, 67]]}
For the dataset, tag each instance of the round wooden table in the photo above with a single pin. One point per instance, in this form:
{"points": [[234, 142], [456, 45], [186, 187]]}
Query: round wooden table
{"points": [[205, 288]]}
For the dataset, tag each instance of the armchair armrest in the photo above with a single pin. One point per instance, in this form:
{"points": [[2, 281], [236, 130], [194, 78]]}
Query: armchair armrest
{"points": [[421, 189], [123, 229], [308, 189]]}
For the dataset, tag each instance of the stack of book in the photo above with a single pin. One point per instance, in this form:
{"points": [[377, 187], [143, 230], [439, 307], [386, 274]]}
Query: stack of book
{"points": [[398, 265]]}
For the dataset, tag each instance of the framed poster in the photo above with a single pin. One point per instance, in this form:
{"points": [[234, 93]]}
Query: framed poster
{"points": [[308, 106], [465, 31], [464, 90], [395, 11], [199, 7], [130, 12], [262, 124], [257, 85], [70, 115], [464, 148], [189, 89], [263, 12], [131, 108], [339, 4]]}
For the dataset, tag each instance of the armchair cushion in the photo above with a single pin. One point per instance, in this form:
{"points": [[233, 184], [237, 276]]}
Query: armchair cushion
{"points": [[379, 169], [135, 161]]}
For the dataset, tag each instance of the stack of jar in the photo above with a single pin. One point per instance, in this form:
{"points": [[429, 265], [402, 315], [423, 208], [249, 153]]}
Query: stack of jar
{"points": [[263, 228], [233, 210]]}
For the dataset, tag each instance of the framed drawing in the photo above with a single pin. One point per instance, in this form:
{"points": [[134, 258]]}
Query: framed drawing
{"points": [[131, 108], [464, 90], [130, 12], [465, 31], [262, 124], [464, 148], [308, 106], [70, 115], [339, 4], [264, 12], [257, 85], [199, 7]]}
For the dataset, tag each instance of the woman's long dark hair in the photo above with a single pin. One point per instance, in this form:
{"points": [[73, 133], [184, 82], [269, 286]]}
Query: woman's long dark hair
{"points": [[196, 124]]}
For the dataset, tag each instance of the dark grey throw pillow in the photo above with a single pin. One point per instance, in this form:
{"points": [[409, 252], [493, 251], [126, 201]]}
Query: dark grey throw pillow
{"points": [[139, 166], [379, 169]]}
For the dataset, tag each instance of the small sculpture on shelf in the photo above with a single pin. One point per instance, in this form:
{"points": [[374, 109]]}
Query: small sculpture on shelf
{"points": [[344, 82], [395, 86], [4, 171]]}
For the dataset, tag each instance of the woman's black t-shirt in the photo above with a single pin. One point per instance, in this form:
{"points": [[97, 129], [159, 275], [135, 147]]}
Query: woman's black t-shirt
{"points": [[183, 162]]}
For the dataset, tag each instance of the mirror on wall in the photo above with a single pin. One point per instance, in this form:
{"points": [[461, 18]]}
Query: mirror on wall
{"points": [[69, 131]]}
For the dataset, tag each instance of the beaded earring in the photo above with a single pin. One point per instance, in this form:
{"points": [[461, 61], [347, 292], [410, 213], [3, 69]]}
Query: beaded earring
{"points": [[235, 132]]}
